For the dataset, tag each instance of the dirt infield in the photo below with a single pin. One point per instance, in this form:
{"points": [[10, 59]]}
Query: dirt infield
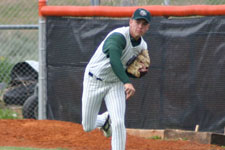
{"points": [[60, 134]]}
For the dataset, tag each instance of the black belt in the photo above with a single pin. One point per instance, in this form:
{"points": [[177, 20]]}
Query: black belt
{"points": [[92, 75]]}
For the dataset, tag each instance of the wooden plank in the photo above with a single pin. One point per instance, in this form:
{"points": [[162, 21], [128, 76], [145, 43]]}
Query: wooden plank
{"points": [[145, 133], [200, 137]]}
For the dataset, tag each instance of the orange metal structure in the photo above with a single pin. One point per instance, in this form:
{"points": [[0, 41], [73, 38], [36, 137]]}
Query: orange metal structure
{"points": [[118, 11]]}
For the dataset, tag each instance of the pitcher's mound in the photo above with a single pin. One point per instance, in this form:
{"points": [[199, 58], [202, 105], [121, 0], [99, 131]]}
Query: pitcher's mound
{"points": [[60, 134]]}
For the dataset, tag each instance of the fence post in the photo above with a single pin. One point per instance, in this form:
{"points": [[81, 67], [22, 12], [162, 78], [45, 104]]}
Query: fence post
{"points": [[166, 2], [42, 77], [95, 2]]}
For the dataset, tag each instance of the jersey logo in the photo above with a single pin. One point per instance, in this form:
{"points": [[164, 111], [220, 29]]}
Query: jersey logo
{"points": [[131, 60]]}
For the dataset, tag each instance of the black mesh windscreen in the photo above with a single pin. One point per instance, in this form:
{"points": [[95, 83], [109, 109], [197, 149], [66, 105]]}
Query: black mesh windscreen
{"points": [[185, 85]]}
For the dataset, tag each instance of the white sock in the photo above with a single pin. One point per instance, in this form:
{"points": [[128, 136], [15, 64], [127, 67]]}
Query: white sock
{"points": [[101, 119]]}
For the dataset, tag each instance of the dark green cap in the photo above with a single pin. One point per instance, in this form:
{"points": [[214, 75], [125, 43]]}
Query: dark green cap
{"points": [[141, 13]]}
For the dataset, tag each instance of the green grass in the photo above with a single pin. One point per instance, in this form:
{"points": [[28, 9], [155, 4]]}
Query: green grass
{"points": [[24, 148], [159, 138], [19, 12], [8, 114], [23, 44], [5, 69], [26, 11], [156, 137], [185, 139]]}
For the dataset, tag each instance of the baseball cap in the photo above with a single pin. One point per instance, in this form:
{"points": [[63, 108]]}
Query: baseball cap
{"points": [[141, 13]]}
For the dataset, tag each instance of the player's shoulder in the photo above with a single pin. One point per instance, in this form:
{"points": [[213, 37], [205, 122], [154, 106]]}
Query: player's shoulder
{"points": [[122, 30]]}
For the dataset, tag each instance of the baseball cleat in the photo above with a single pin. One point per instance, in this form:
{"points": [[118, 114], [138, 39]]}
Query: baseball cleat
{"points": [[106, 128]]}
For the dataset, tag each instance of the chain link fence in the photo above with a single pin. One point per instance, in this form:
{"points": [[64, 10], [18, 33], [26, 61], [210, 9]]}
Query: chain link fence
{"points": [[19, 46], [18, 52]]}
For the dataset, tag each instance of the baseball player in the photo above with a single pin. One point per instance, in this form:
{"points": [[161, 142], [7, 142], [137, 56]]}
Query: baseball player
{"points": [[106, 78]]}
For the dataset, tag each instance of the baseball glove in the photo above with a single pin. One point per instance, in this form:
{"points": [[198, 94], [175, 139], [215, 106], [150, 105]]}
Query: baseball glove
{"points": [[141, 61]]}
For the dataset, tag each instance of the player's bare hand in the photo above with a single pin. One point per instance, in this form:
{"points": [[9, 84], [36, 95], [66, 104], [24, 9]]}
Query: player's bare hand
{"points": [[129, 90]]}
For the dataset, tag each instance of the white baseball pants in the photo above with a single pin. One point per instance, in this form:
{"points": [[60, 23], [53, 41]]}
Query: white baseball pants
{"points": [[94, 91]]}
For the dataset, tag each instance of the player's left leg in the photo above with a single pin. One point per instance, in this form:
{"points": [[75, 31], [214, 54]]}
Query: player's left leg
{"points": [[93, 93], [116, 104]]}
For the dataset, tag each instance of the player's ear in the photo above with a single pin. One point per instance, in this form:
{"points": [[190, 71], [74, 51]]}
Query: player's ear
{"points": [[148, 27], [130, 22]]}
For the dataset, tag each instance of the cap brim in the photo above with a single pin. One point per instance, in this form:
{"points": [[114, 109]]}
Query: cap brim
{"points": [[135, 18]]}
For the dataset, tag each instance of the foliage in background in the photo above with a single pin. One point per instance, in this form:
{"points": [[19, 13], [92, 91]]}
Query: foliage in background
{"points": [[19, 11], [5, 69], [8, 114], [23, 45], [26, 11]]}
